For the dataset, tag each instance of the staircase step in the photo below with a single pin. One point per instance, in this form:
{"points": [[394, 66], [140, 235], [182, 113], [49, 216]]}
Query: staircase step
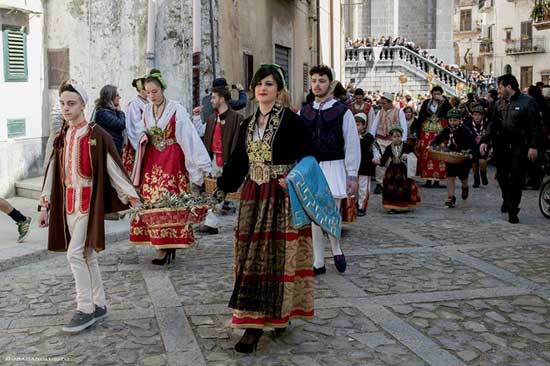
{"points": [[29, 188]]}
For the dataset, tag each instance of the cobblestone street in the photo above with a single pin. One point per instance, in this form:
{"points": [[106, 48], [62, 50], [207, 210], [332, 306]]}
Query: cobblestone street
{"points": [[433, 287]]}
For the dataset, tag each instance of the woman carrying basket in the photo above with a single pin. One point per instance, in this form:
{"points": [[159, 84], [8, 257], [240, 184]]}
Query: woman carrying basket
{"points": [[456, 138]]}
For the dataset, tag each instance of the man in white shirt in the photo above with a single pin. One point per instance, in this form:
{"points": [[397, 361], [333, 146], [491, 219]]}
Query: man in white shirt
{"points": [[338, 152]]}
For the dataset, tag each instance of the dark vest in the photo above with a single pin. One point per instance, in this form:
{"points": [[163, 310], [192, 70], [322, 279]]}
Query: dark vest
{"points": [[326, 130]]}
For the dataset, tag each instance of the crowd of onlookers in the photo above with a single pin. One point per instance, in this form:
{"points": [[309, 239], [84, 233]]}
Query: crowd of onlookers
{"points": [[478, 82]]}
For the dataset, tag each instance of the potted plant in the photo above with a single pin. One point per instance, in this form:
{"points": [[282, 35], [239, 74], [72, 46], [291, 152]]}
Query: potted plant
{"points": [[537, 13]]}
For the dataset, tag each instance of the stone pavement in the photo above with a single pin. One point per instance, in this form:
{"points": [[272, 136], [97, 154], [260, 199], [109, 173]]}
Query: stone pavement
{"points": [[433, 287]]}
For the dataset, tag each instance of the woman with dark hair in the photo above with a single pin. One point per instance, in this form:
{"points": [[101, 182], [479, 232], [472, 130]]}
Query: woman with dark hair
{"points": [[108, 115], [169, 156], [134, 115], [412, 124], [273, 260]]}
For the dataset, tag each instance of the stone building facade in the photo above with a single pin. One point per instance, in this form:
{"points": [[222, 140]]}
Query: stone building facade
{"points": [[425, 22], [517, 46]]}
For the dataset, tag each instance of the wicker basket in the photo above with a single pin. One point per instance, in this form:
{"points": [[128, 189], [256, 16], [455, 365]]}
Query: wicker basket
{"points": [[211, 186], [447, 157]]}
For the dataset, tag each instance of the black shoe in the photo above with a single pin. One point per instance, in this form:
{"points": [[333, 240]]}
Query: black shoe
{"points": [[428, 184], [437, 185], [484, 179], [340, 262], [100, 312], [378, 189], [465, 192], [451, 202], [361, 212], [79, 322], [205, 229], [513, 216], [249, 341], [319, 271], [476, 181], [170, 255]]}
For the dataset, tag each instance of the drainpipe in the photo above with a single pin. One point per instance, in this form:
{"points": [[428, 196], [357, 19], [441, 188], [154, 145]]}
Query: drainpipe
{"points": [[213, 45], [151, 27], [318, 17], [197, 44]]}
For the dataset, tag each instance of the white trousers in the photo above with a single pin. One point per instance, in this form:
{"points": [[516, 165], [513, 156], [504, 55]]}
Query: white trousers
{"points": [[89, 286], [319, 245], [381, 170], [364, 191]]}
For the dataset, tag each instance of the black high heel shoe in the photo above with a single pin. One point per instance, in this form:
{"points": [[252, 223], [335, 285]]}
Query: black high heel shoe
{"points": [[249, 341], [170, 255]]}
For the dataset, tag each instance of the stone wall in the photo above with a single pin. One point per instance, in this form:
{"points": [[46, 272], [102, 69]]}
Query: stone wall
{"points": [[416, 22], [107, 43], [385, 79]]}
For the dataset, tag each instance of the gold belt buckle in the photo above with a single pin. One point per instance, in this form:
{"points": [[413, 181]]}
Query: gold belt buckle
{"points": [[159, 143], [259, 173]]}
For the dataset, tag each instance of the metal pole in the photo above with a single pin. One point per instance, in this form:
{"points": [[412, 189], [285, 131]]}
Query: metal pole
{"points": [[212, 40]]}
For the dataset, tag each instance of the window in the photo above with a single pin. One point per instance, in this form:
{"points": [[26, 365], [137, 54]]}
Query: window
{"points": [[248, 69], [526, 36], [58, 67], [466, 20], [508, 70], [282, 58], [508, 34], [526, 76], [15, 56], [545, 78], [16, 128]]}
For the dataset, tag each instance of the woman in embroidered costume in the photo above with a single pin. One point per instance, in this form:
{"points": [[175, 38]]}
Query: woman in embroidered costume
{"points": [[400, 193], [273, 260], [432, 119], [134, 123], [170, 155]]}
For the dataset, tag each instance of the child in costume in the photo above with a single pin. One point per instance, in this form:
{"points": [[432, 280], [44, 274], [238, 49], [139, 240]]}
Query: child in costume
{"points": [[457, 138], [399, 193], [367, 167], [85, 179]]}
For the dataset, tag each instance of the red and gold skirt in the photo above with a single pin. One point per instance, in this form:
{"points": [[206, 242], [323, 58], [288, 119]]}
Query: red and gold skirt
{"points": [[162, 171], [273, 261]]}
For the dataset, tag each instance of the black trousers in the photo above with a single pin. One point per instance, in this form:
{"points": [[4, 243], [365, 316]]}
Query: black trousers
{"points": [[511, 171]]}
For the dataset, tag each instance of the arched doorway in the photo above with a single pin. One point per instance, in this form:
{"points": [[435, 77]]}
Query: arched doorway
{"points": [[508, 69]]}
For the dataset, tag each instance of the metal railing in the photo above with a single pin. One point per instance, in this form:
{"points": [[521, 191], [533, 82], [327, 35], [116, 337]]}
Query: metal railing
{"points": [[486, 47], [526, 45], [401, 54]]}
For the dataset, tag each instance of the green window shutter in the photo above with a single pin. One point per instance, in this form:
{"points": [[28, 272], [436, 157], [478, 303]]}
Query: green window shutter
{"points": [[15, 56], [16, 128]]}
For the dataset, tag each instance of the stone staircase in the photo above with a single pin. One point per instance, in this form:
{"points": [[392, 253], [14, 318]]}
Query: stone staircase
{"points": [[379, 68], [29, 188]]}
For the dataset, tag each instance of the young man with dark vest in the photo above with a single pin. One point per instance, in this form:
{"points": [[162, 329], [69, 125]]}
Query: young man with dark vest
{"points": [[220, 138], [338, 152]]}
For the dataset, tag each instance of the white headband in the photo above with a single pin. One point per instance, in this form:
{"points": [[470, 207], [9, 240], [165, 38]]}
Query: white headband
{"points": [[80, 90]]}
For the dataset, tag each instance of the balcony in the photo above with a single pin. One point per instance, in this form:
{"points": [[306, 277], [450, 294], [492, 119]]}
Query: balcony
{"points": [[541, 14], [525, 46], [486, 47]]}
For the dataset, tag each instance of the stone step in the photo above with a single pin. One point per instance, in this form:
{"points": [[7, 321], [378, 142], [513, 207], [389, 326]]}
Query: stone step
{"points": [[29, 188]]}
